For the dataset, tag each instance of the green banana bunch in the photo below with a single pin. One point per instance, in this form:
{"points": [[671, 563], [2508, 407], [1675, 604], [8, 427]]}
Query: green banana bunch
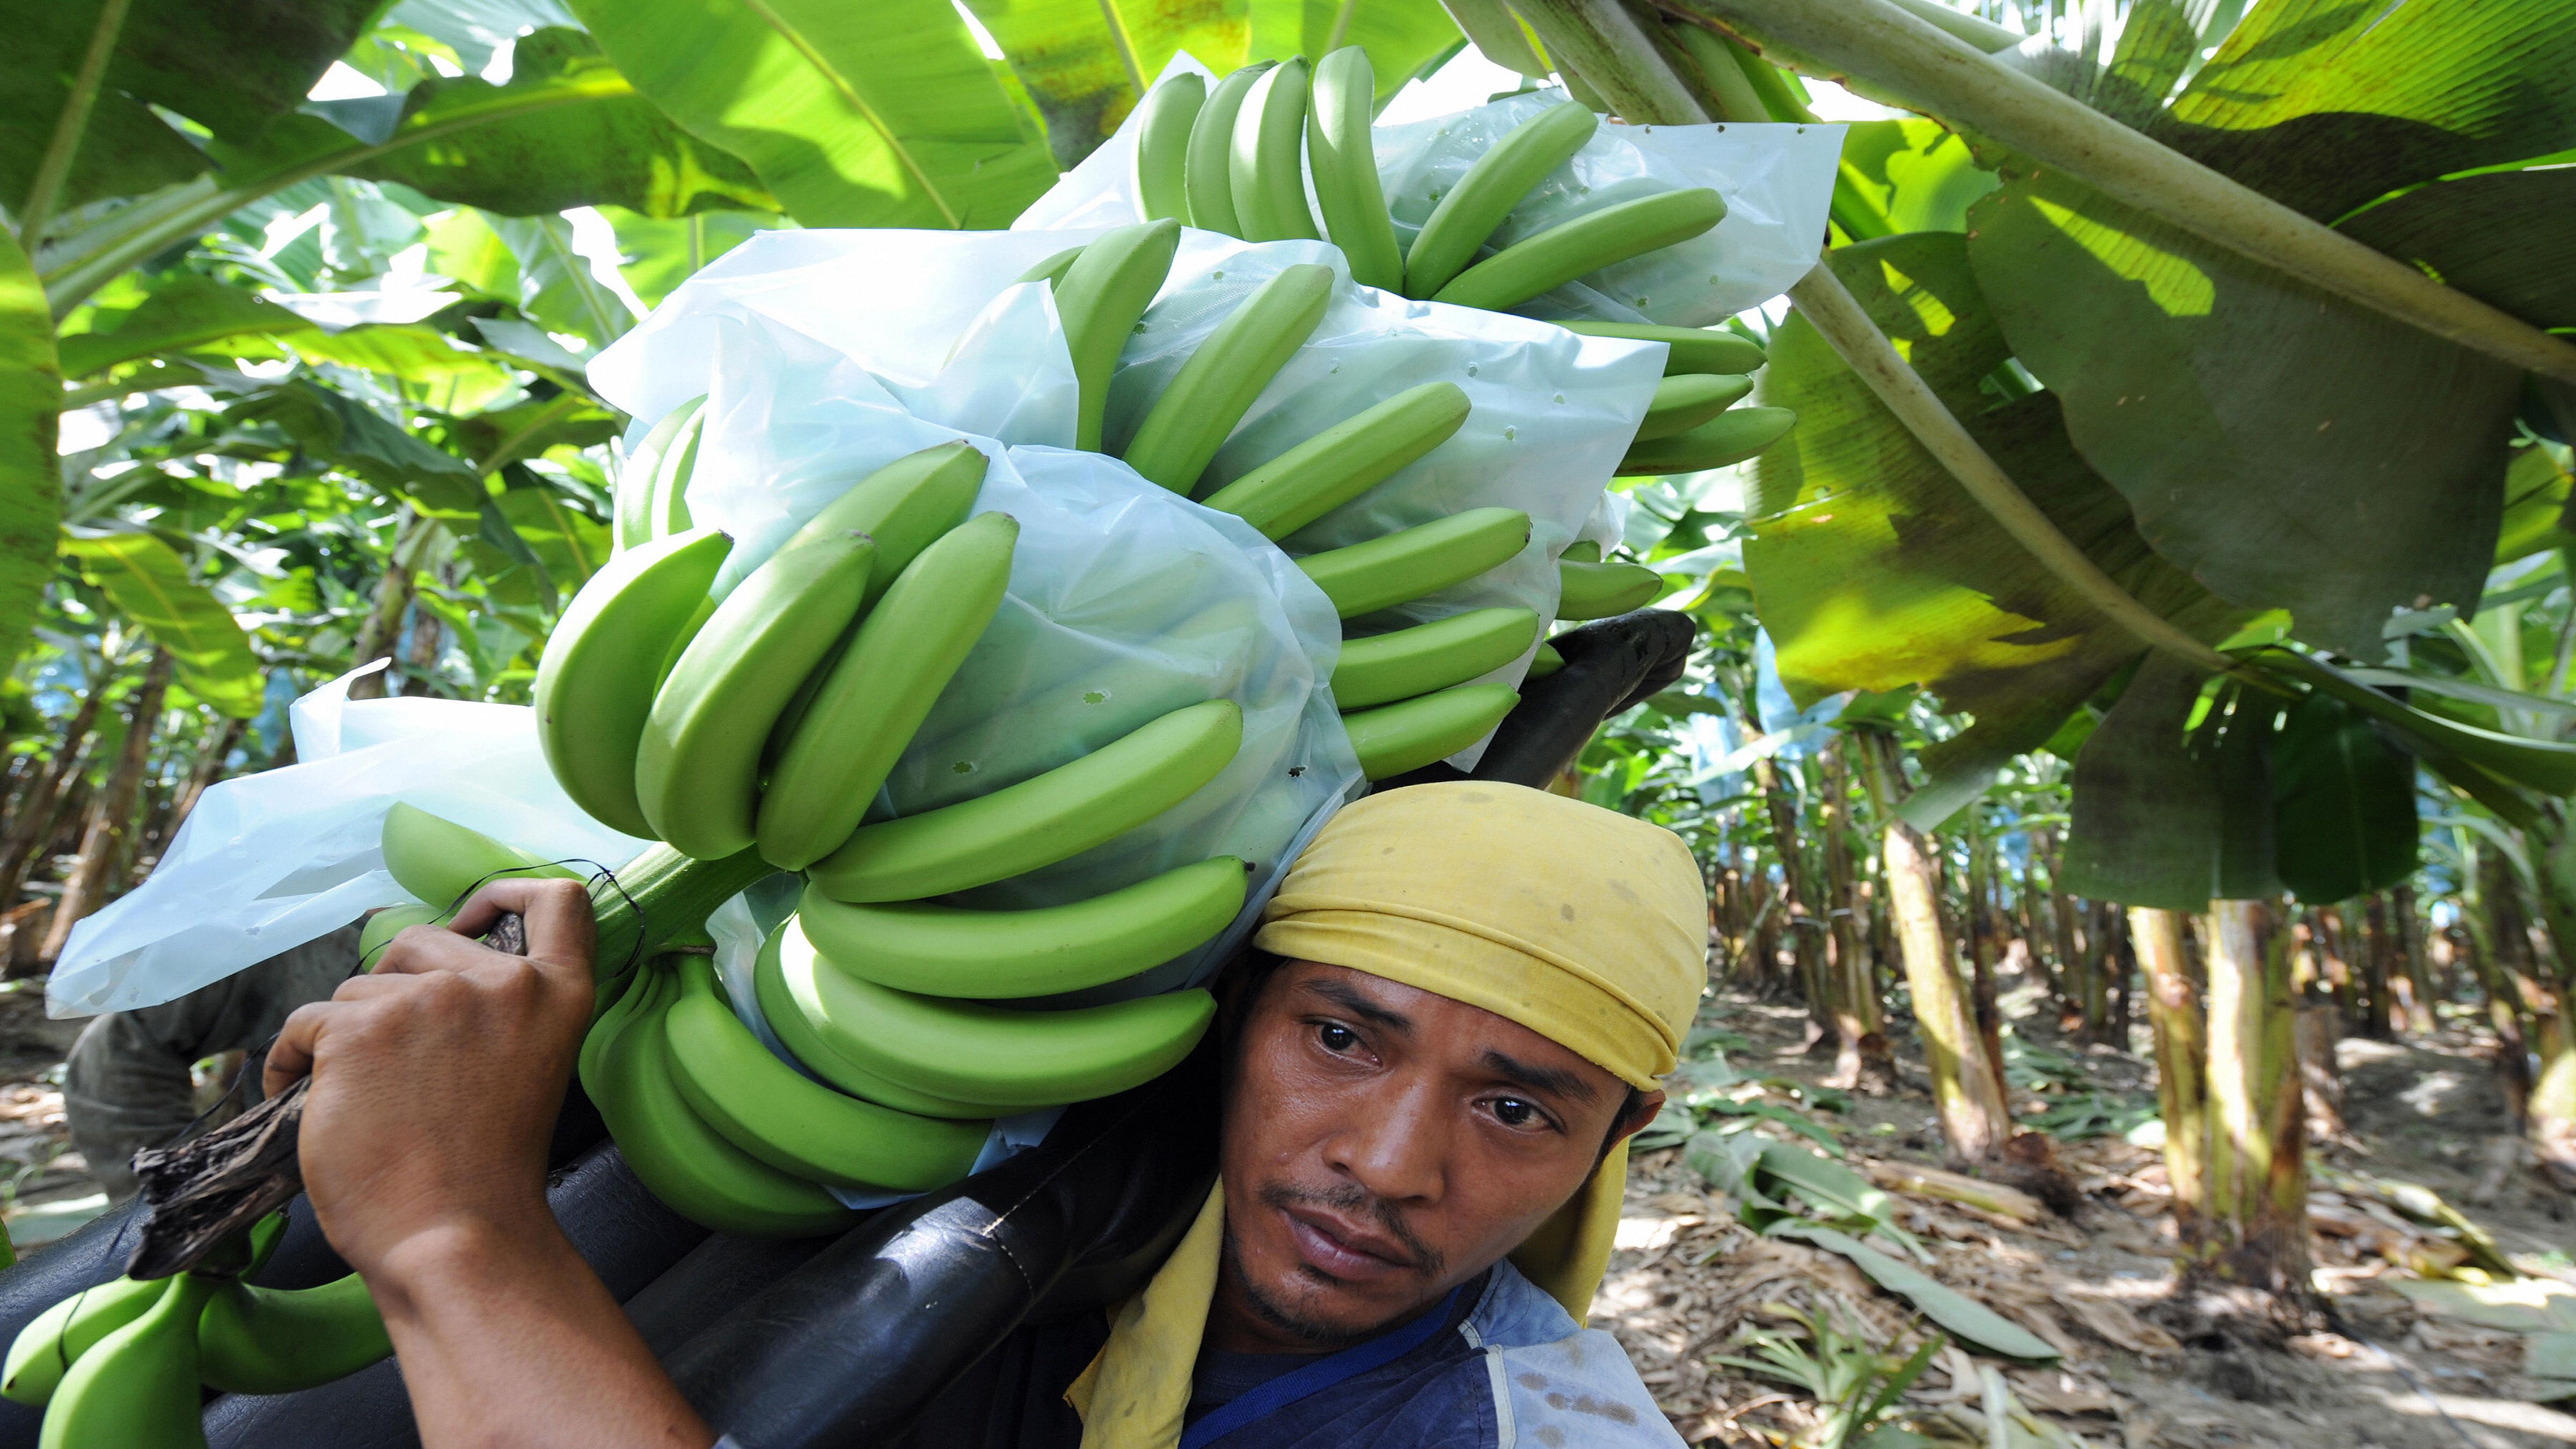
{"points": [[441, 862], [792, 993], [1267, 166], [55, 1339], [1395, 738], [1103, 292], [1683, 401], [1163, 122], [1599, 590], [1050, 271], [596, 680], [253, 1340], [1730, 437], [1023, 1059], [1508, 171], [1410, 563], [631, 520], [697, 771], [876, 695], [1693, 349], [1037, 822], [944, 951], [666, 507], [905, 507], [1343, 461], [1344, 158], [1399, 665], [136, 1387], [1546, 662], [793, 1123], [686, 1163], [1208, 163], [1571, 249], [1214, 389]]}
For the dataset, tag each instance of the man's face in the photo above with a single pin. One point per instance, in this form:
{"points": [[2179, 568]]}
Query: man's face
{"points": [[1382, 1145]]}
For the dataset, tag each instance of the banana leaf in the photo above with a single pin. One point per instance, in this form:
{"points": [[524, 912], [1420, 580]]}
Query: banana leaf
{"points": [[31, 490], [154, 588], [1963, 1316]]}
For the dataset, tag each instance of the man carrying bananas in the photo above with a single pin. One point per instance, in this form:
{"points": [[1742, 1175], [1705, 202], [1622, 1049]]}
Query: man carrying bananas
{"points": [[1460, 1002]]}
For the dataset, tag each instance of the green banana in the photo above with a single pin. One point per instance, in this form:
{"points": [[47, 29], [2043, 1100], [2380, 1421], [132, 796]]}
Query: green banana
{"points": [[253, 1340], [631, 521], [694, 1171], [1051, 270], [1407, 662], [1509, 170], [667, 509], [1694, 349], [1344, 158], [1214, 389], [1267, 169], [1546, 662], [441, 862], [1599, 590], [697, 774], [55, 1339], [1163, 122], [1103, 293], [392, 921], [1039, 821], [944, 951], [1730, 437], [1582, 550], [1208, 163], [795, 1124], [904, 507], [1395, 738], [1025, 1058], [596, 680], [1343, 461], [136, 1388], [1383, 572], [880, 690], [1683, 401], [790, 989], [1576, 248]]}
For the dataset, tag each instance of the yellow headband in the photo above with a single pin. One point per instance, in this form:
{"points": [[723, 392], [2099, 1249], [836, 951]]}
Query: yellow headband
{"points": [[1586, 926]]}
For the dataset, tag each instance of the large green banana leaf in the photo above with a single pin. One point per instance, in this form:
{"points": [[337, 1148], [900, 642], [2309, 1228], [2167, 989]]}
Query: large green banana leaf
{"points": [[232, 68], [555, 282], [882, 114], [151, 585], [335, 427], [31, 492], [2501, 236], [1085, 62], [2346, 798], [1874, 570], [1399, 35]]}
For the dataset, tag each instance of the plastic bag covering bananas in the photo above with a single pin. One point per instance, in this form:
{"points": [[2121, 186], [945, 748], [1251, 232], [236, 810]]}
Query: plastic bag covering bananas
{"points": [[1020, 1058], [690, 1166], [1343, 461], [1343, 156], [1163, 123], [1399, 665], [791, 998], [795, 1124], [1213, 390], [1039, 821], [596, 681], [872, 700], [1508, 171], [1402, 566], [1394, 738], [441, 862], [697, 770], [1589, 242], [944, 951]]}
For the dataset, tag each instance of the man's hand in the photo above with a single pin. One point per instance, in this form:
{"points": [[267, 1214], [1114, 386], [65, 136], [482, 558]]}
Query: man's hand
{"points": [[436, 1080]]}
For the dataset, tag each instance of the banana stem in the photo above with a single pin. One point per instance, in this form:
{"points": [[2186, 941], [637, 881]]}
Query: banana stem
{"points": [[56, 166], [1891, 51], [661, 896], [1600, 41]]}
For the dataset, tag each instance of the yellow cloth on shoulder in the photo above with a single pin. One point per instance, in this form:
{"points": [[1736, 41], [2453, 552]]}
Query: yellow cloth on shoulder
{"points": [[1586, 926]]}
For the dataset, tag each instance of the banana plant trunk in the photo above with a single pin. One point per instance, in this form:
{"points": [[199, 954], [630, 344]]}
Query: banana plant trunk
{"points": [[39, 811], [1974, 1121], [1860, 1029], [2415, 981], [2182, 1048], [1981, 918], [112, 816]]}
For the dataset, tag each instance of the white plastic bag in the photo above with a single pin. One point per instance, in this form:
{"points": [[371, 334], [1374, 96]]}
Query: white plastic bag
{"points": [[1777, 180], [270, 861]]}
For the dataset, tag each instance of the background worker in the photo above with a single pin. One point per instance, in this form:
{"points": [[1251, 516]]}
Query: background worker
{"points": [[1463, 997]]}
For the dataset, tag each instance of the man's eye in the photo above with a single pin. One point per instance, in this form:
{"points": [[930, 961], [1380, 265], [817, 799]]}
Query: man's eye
{"points": [[1514, 1112], [1337, 1038]]}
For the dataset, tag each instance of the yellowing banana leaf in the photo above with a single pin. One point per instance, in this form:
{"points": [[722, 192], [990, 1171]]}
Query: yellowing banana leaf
{"points": [[1962, 1315], [152, 587], [882, 114], [31, 492], [1085, 63]]}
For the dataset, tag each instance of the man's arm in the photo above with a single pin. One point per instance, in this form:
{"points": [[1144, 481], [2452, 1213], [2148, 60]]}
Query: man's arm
{"points": [[435, 1086]]}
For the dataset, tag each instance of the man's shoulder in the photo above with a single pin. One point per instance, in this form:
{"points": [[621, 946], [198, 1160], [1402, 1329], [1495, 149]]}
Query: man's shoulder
{"points": [[1557, 1384]]}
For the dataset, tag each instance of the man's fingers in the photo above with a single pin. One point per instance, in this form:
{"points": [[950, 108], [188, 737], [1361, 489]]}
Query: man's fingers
{"points": [[421, 949], [290, 1057], [562, 924]]}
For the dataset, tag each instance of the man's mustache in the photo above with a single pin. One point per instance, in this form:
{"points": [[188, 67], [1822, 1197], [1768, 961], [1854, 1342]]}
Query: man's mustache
{"points": [[1353, 1200]]}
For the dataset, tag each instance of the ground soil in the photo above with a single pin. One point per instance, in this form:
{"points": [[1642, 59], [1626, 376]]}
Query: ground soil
{"points": [[1689, 1282]]}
